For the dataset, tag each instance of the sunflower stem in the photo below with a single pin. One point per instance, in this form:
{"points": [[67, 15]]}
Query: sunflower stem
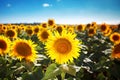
{"points": [[63, 75]]}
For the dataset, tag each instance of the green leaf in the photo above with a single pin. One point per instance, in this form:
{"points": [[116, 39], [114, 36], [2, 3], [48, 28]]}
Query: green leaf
{"points": [[70, 69], [5, 79], [51, 72], [36, 75], [101, 76]]}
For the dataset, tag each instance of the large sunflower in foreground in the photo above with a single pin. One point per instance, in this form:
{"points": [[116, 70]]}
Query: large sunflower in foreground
{"points": [[116, 52], [63, 47], [4, 45], [24, 49]]}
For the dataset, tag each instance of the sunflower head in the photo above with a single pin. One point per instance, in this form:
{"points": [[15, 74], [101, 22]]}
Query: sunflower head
{"points": [[91, 31], [63, 48], [59, 28], [13, 27], [115, 37], [51, 22], [24, 49], [29, 31], [22, 27], [109, 31], [4, 27], [71, 29], [65, 26], [11, 33], [4, 45], [36, 29], [88, 26], [44, 25], [1, 26], [104, 28], [1, 30], [116, 51], [80, 28], [43, 35], [93, 24]]}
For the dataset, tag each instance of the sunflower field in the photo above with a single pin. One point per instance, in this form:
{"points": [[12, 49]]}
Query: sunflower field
{"points": [[50, 51]]}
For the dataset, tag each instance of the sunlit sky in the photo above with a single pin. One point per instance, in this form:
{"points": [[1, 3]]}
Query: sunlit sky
{"points": [[62, 11]]}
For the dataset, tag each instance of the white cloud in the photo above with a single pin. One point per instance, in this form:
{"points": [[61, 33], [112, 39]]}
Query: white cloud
{"points": [[8, 5], [46, 5]]}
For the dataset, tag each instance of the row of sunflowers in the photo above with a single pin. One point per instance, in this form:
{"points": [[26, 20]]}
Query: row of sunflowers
{"points": [[50, 51]]}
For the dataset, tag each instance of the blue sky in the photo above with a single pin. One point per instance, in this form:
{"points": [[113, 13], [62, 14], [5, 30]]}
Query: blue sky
{"points": [[62, 11]]}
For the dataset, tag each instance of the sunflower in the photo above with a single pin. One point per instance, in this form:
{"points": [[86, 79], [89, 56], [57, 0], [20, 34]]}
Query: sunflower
{"points": [[29, 31], [53, 28], [4, 28], [116, 51], [115, 37], [109, 31], [63, 48], [13, 27], [36, 29], [51, 22], [11, 33], [43, 35], [80, 28], [22, 27], [4, 45], [94, 24], [65, 26], [59, 28], [88, 26], [104, 28], [44, 25], [71, 29], [1, 25], [91, 31], [24, 49]]}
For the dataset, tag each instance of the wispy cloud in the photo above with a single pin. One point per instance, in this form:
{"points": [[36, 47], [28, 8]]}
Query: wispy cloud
{"points": [[8, 5], [47, 5]]}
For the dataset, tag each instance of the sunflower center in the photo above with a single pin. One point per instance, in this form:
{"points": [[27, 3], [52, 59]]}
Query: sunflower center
{"points": [[23, 49], [79, 28], [59, 29], [44, 35], [50, 22], [117, 49], [62, 46], [36, 30], [13, 27], [4, 27], [91, 31], [44, 25], [10, 33], [3, 45], [115, 37], [103, 27], [29, 31]]}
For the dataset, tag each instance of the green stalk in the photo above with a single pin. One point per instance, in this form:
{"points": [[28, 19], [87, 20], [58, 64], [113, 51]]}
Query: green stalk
{"points": [[63, 75]]}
